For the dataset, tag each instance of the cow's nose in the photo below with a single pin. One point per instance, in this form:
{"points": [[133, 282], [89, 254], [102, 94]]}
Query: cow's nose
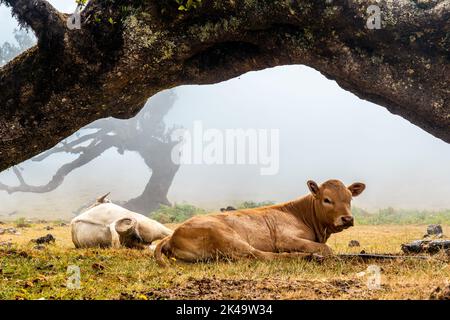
{"points": [[347, 220]]}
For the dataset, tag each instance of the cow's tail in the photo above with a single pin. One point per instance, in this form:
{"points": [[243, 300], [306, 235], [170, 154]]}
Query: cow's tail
{"points": [[162, 248]]}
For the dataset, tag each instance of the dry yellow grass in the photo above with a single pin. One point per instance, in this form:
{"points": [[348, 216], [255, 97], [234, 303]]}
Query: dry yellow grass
{"points": [[28, 273]]}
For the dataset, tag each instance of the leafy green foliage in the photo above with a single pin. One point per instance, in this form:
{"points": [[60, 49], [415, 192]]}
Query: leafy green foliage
{"points": [[181, 212], [186, 5], [81, 2], [401, 216], [177, 213], [253, 204], [21, 223]]}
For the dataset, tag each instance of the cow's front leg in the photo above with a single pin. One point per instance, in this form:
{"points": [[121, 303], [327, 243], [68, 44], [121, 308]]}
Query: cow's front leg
{"points": [[322, 249], [308, 246], [115, 240]]}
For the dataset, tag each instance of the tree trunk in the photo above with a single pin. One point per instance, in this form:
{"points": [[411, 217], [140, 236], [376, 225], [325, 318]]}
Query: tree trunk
{"points": [[153, 196], [163, 173], [126, 51]]}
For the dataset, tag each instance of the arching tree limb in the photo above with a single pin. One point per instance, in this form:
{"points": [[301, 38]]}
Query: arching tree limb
{"points": [[128, 50], [71, 147]]}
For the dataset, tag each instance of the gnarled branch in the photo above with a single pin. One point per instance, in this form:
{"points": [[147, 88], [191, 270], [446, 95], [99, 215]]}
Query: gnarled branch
{"points": [[94, 150], [71, 147]]}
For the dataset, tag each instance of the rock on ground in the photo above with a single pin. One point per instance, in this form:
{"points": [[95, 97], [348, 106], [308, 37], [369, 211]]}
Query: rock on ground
{"points": [[45, 239], [434, 229], [354, 243], [441, 293]]}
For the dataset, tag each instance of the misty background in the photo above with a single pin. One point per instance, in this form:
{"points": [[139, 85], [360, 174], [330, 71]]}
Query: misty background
{"points": [[325, 133]]}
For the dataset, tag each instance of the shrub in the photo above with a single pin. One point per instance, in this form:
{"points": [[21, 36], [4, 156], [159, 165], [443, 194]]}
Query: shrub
{"points": [[21, 223], [181, 212], [401, 216], [175, 214], [252, 204]]}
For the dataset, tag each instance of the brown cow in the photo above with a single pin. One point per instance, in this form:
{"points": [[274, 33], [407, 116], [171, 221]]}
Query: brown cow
{"points": [[297, 228]]}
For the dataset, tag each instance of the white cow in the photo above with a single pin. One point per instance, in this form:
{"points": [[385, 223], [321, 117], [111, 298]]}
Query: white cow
{"points": [[106, 224]]}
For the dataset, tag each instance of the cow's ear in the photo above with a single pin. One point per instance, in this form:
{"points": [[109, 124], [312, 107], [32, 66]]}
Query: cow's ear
{"points": [[125, 225], [313, 187], [356, 188], [103, 199]]}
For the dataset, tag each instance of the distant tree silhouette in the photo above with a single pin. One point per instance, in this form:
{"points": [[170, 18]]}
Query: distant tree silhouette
{"points": [[8, 51], [145, 134]]}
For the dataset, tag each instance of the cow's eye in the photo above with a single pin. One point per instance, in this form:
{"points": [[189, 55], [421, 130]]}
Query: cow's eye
{"points": [[327, 201]]}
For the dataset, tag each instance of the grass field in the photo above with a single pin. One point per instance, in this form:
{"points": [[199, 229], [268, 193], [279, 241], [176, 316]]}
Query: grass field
{"points": [[29, 273]]}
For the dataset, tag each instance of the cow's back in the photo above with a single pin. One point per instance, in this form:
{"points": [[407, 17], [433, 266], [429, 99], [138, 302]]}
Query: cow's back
{"points": [[92, 227], [105, 213], [258, 226], [86, 235]]}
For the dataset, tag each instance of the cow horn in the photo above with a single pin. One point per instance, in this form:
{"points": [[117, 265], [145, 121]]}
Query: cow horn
{"points": [[102, 198]]}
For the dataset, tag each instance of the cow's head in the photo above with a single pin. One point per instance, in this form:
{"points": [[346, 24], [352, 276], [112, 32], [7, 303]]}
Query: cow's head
{"points": [[333, 203], [129, 235]]}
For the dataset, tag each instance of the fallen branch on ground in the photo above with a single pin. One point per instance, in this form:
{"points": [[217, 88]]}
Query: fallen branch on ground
{"points": [[428, 246], [374, 256]]}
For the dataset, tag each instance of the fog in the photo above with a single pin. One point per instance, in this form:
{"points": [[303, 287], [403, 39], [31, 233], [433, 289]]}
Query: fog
{"points": [[324, 132]]}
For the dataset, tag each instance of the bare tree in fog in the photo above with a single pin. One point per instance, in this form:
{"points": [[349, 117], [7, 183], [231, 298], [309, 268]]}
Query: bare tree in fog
{"points": [[9, 50], [145, 134]]}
